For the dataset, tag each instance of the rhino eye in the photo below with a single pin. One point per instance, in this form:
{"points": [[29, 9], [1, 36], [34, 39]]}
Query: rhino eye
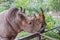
{"points": [[30, 22]]}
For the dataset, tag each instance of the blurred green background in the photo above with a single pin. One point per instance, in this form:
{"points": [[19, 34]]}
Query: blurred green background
{"points": [[51, 10]]}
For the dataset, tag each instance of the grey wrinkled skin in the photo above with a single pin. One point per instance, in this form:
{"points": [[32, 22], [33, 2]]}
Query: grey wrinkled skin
{"points": [[13, 21], [6, 33]]}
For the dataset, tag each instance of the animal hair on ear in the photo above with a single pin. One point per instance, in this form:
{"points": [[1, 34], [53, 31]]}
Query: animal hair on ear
{"points": [[24, 10], [12, 12], [21, 9], [13, 9], [41, 10]]}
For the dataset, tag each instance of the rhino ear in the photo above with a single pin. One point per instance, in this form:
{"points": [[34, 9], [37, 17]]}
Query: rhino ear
{"points": [[12, 13], [22, 10], [41, 12], [41, 15]]}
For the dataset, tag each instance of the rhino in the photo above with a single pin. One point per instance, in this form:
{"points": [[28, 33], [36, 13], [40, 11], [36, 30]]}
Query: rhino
{"points": [[14, 20]]}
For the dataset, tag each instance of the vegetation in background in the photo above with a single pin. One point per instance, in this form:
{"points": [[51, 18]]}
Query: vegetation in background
{"points": [[5, 4], [51, 24], [54, 4], [33, 6], [49, 20]]}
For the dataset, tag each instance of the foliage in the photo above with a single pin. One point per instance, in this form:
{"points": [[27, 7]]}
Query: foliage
{"points": [[54, 4], [53, 34], [5, 4], [28, 4], [51, 24], [49, 20], [33, 6]]}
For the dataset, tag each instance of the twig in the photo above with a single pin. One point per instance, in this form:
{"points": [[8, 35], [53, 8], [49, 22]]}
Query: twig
{"points": [[51, 29], [48, 37]]}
